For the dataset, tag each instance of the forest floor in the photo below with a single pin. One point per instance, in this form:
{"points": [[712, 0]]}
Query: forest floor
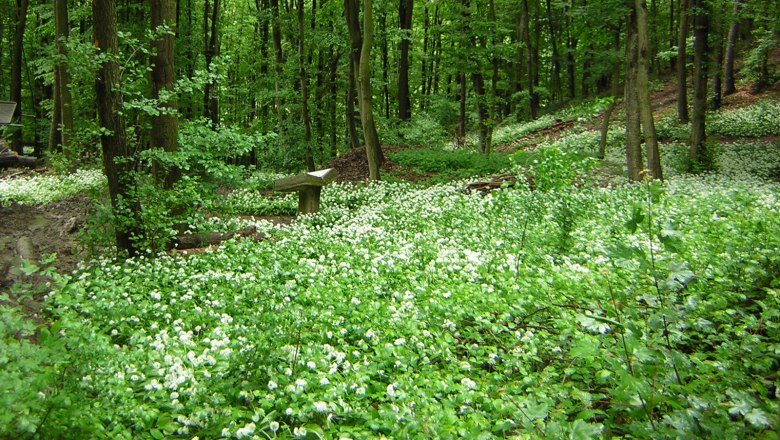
{"points": [[54, 228]]}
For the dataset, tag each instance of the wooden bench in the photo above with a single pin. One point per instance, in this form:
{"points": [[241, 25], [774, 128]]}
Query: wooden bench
{"points": [[6, 112], [309, 186]]}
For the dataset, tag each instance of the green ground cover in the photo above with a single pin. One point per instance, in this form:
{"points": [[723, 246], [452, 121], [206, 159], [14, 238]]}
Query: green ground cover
{"points": [[400, 311]]}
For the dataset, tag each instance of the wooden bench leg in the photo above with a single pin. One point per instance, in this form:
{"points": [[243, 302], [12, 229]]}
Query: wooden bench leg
{"points": [[309, 200]]}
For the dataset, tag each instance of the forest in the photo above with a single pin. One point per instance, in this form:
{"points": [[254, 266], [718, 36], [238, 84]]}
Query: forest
{"points": [[529, 219]]}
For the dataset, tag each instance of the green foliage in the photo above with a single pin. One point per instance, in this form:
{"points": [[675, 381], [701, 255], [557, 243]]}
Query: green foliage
{"points": [[669, 128], [422, 130], [551, 168], [760, 119], [451, 164]]}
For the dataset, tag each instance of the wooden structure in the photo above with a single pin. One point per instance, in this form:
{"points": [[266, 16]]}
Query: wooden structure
{"points": [[6, 111], [309, 186]]}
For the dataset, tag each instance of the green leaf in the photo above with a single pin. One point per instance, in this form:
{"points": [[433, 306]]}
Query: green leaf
{"points": [[637, 217], [758, 418], [157, 434], [581, 430], [29, 268]]}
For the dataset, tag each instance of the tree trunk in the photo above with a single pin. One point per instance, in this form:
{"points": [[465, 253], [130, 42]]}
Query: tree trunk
{"points": [[529, 58], [699, 157], [682, 77], [717, 77], [643, 91], [385, 63], [731, 51], [424, 67], [555, 79], [116, 157], [165, 125], [334, 89], [276, 36], [213, 52], [461, 129], [405, 10], [63, 111], [349, 105], [16, 73], [631, 103], [304, 89], [370, 134]]}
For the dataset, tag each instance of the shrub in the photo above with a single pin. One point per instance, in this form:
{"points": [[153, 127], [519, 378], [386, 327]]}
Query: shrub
{"points": [[760, 119]]}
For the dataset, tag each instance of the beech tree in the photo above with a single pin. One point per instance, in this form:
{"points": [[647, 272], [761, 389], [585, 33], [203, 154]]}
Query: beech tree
{"points": [[117, 160], [16, 71]]}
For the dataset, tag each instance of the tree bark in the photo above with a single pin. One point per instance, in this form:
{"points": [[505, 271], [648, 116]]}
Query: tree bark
{"points": [[304, 79], [16, 72], [631, 103], [699, 157], [643, 91], [165, 125], [731, 51], [529, 58], [62, 120], [276, 36], [405, 11], [116, 156], [682, 77], [370, 134], [555, 80]]}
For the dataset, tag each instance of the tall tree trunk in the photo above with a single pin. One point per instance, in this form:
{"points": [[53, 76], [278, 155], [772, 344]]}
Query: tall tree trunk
{"points": [[304, 89], [116, 156], [276, 35], [682, 77], [385, 63], [424, 67], [717, 77], [349, 106], [555, 79], [370, 134], [699, 156], [212, 51], [731, 51], [16, 72], [529, 58], [405, 11], [631, 102], [63, 111], [165, 125], [334, 90], [643, 91], [461, 98]]}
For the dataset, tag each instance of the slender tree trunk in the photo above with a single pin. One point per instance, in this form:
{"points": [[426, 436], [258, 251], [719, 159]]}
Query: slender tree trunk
{"points": [[682, 77], [405, 13], [461, 130], [304, 88], [62, 124], [385, 64], [731, 51], [276, 35], [352, 134], [555, 80], [529, 58], [643, 91], [631, 102], [424, 67], [717, 77], [213, 51], [699, 156], [370, 134], [165, 126], [334, 90], [16, 72], [116, 156]]}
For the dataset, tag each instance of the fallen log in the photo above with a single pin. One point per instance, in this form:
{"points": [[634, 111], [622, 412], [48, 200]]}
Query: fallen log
{"points": [[508, 180], [203, 239], [10, 158]]}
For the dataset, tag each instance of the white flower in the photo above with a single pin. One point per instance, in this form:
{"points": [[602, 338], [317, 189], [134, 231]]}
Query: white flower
{"points": [[370, 334], [272, 385], [246, 431], [274, 426], [320, 406], [361, 391], [324, 381], [288, 411], [468, 383], [355, 301], [391, 390], [311, 365], [400, 341], [299, 431], [225, 432]]}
